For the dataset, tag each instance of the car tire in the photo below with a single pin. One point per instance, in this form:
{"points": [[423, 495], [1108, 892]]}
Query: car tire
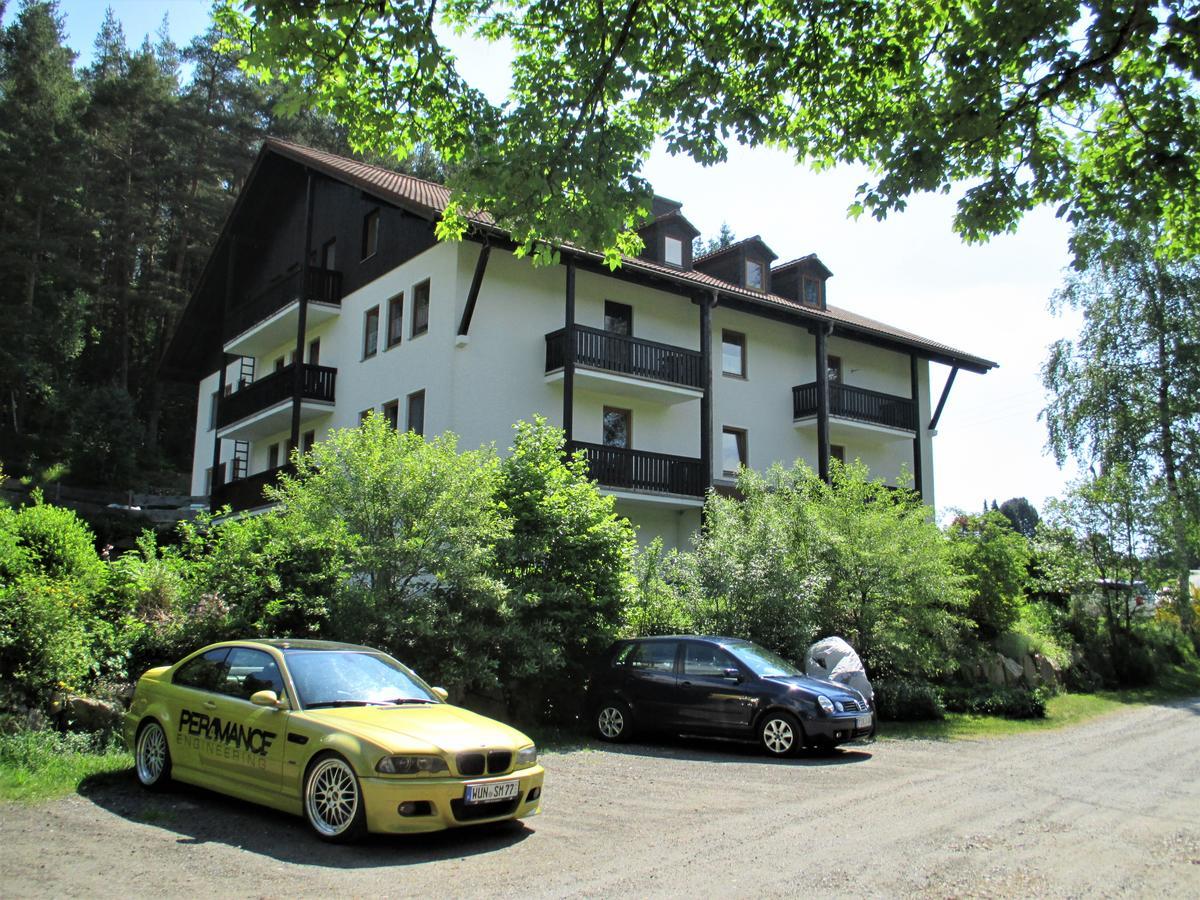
{"points": [[333, 800], [152, 757], [780, 734], [613, 721]]}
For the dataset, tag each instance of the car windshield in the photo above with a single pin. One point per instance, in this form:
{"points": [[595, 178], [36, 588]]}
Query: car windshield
{"points": [[329, 678], [763, 663]]}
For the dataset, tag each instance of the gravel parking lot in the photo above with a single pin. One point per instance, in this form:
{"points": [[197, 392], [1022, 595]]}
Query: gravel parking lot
{"points": [[1110, 808]]}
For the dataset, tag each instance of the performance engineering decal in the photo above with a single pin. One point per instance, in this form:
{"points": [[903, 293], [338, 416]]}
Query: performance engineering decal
{"points": [[211, 736]]}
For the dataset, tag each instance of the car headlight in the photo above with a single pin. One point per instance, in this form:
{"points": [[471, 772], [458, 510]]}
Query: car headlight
{"points": [[825, 703], [411, 765], [526, 757]]}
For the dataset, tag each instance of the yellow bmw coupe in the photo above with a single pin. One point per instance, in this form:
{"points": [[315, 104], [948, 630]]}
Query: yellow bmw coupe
{"points": [[344, 735]]}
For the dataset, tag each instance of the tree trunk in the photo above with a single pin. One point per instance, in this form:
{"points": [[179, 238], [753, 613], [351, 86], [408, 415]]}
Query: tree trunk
{"points": [[1171, 475]]}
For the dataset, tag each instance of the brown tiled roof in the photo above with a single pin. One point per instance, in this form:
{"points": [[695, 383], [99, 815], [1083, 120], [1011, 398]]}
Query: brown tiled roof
{"points": [[753, 239], [430, 199]]}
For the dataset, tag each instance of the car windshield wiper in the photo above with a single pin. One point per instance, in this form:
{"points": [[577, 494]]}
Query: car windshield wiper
{"points": [[335, 703], [399, 701]]}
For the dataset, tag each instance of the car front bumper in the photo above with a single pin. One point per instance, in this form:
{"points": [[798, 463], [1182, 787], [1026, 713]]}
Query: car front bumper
{"points": [[838, 729], [444, 800]]}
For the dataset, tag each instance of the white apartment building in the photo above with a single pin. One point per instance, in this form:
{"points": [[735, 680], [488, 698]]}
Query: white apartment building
{"points": [[327, 295]]}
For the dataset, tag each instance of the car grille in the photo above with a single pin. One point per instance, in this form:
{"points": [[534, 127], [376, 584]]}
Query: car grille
{"points": [[496, 762], [854, 706], [464, 813]]}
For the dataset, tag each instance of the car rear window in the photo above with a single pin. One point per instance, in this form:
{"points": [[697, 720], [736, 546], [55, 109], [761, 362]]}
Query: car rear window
{"points": [[656, 655]]}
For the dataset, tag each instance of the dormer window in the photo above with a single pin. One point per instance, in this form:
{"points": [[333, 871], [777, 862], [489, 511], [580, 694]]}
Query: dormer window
{"points": [[673, 251], [754, 274], [812, 291]]}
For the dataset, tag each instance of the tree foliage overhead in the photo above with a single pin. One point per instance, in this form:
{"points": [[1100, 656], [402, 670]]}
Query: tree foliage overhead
{"points": [[1089, 106]]}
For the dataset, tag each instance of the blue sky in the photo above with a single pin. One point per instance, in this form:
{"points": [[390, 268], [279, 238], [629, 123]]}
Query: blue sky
{"points": [[910, 271]]}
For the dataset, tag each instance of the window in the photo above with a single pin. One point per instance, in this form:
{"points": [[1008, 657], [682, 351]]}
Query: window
{"points": [[370, 234], [204, 673], [307, 441], [273, 456], [420, 322], [314, 352], [833, 365], [618, 427], [838, 452], [371, 332], [733, 450], [733, 353], [657, 656], [362, 416], [250, 671], [618, 317], [395, 320], [212, 411], [812, 292], [706, 660], [279, 364], [329, 254], [754, 274], [416, 412], [673, 251], [391, 412]]}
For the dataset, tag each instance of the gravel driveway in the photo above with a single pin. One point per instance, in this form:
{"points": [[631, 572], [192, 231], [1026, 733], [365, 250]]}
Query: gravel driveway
{"points": [[1108, 808]]}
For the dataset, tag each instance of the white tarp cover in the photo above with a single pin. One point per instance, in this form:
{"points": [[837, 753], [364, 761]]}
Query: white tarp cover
{"points": [[833, 659]]}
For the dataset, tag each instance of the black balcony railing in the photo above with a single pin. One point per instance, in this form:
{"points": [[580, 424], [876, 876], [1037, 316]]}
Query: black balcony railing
{"points": [[639, 470], [318, 384], [324, 286], [857, 403], [245, 493], [626, 355]]}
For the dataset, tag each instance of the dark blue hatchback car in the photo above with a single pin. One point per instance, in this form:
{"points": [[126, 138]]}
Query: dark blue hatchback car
{"points": [[727, 687]]}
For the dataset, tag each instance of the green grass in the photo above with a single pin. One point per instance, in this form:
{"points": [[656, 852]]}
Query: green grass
{"points": [[1061, 711], [42, 765]]}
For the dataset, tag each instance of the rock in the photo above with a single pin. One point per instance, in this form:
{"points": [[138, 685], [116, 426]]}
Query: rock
{"points": [[1029, 671], [88, 714], [1049, 671], [993, 670], [1012, 671]]}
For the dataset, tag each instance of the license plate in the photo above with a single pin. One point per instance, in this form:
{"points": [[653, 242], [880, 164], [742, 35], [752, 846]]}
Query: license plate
{"points": [[863, 722], [489, 793]]}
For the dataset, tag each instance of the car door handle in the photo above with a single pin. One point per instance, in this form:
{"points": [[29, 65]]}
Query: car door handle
{"points": [[208, 704], [686, 683]]}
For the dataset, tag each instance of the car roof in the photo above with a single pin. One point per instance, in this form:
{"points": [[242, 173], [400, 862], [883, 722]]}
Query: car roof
{"points": [[711, 638], [305, 644]]}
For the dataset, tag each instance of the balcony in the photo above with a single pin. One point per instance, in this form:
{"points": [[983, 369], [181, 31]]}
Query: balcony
{"points": [[245, 493], [610, 363], [638, 470], [859, 407], [268, 319], [264, 407]]}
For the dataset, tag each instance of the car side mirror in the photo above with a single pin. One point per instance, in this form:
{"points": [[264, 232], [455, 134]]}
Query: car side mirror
{"points": [[441, 693], [268, 698], [733, 674]]}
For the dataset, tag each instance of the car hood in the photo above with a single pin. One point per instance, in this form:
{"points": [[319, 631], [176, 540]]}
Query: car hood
{"points": [[436, 728], [830, 689]]}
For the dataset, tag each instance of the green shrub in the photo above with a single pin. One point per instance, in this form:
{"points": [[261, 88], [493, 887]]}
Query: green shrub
{"points": [[50, 541], [44, 640], [657, 604], [905, 700], [994, 561], [990, 700]]}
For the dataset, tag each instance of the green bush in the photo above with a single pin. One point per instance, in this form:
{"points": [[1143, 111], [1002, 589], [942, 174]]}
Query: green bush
{"points": [[50, 541], [44, 640], [994, 561], [657, 604], [906, 700], [989, 700]]}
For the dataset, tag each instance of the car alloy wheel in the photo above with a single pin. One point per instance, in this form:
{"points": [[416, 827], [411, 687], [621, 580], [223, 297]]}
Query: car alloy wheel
{"points": [[613, 722], [780, 734], [152, 757], [332, 800]]}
